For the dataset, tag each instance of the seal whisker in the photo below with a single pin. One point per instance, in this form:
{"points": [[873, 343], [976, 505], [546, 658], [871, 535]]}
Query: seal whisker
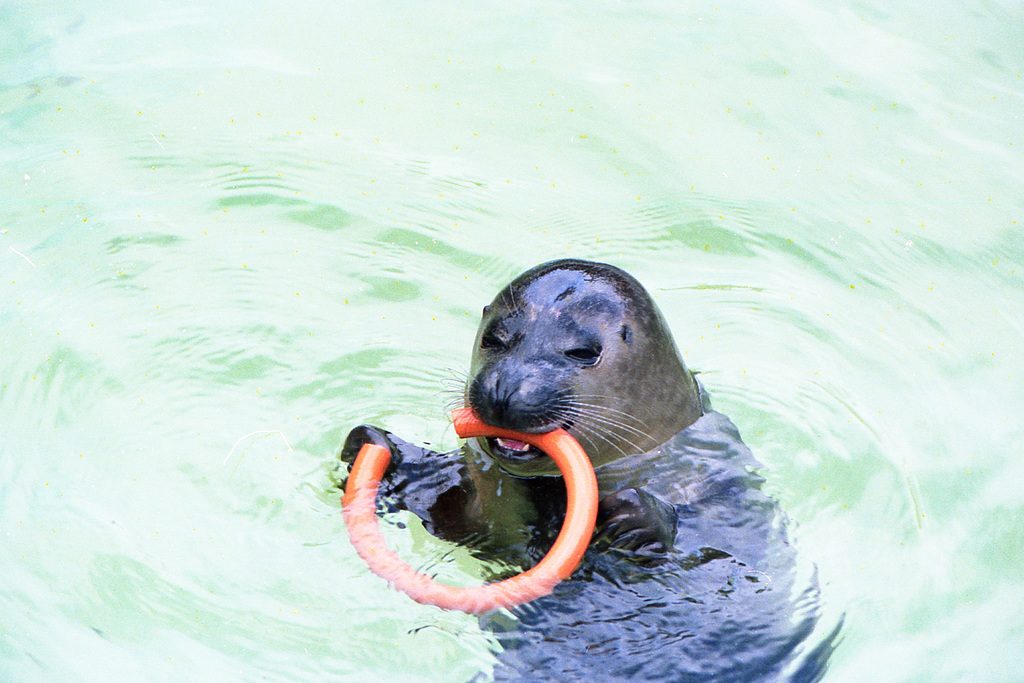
{"points": [[621, 443], [508, 297], [609, 417], [590, 432], [588, 419], [581, 400], [454, 388], [598, 402], [621, 420], [593, 432], [595, 419]]}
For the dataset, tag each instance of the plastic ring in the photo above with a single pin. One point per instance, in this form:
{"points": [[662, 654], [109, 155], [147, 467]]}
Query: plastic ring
{"points": [[359, 508]]}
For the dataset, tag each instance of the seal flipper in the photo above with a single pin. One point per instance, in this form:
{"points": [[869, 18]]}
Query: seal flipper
{"points": [[436, 487], [634, 520]]}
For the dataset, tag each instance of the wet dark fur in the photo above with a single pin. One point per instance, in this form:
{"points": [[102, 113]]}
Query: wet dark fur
{"points": [[689, 576]]}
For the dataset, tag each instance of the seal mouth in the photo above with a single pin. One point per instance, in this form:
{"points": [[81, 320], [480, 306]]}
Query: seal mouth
{"points": [[512, 445], [519, 451], [512, 449]]}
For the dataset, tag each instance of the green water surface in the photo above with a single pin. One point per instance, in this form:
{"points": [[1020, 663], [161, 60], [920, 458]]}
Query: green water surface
{"points": [[231, 231]]}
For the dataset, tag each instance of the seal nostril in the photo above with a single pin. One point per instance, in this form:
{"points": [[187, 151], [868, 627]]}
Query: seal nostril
{"points": [[585, 354]]}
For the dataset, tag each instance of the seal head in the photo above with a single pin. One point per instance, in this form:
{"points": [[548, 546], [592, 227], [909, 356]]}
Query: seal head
{"points": [[582, 346]]}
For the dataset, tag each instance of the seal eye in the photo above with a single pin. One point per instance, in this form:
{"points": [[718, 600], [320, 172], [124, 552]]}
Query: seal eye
{"points": [[491, 341], [585, 355]]}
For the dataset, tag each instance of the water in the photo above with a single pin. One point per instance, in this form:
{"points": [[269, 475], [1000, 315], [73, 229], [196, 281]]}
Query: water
{"points": [[229, 233]]}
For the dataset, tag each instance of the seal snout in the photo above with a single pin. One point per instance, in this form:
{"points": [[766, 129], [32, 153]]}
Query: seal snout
{"points": [[519, 397], [517, 401]]}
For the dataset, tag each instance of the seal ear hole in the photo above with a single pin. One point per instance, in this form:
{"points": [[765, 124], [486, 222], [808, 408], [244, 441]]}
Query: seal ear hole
{"points": [[626, 333], [586, 355]]}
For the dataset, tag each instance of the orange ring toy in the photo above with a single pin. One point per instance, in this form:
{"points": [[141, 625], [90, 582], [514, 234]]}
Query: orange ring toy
{"points": [[359, 508]]}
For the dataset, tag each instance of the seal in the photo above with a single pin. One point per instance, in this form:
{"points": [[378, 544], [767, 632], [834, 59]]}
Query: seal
{"points": [[582, 346], [689, 575]]}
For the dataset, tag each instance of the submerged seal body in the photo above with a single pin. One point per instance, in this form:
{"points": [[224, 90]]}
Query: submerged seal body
{"points": [[689, 576]]}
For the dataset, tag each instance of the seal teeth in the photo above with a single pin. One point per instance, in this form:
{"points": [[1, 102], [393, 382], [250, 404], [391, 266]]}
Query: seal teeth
{"points": [[513, 445]]}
